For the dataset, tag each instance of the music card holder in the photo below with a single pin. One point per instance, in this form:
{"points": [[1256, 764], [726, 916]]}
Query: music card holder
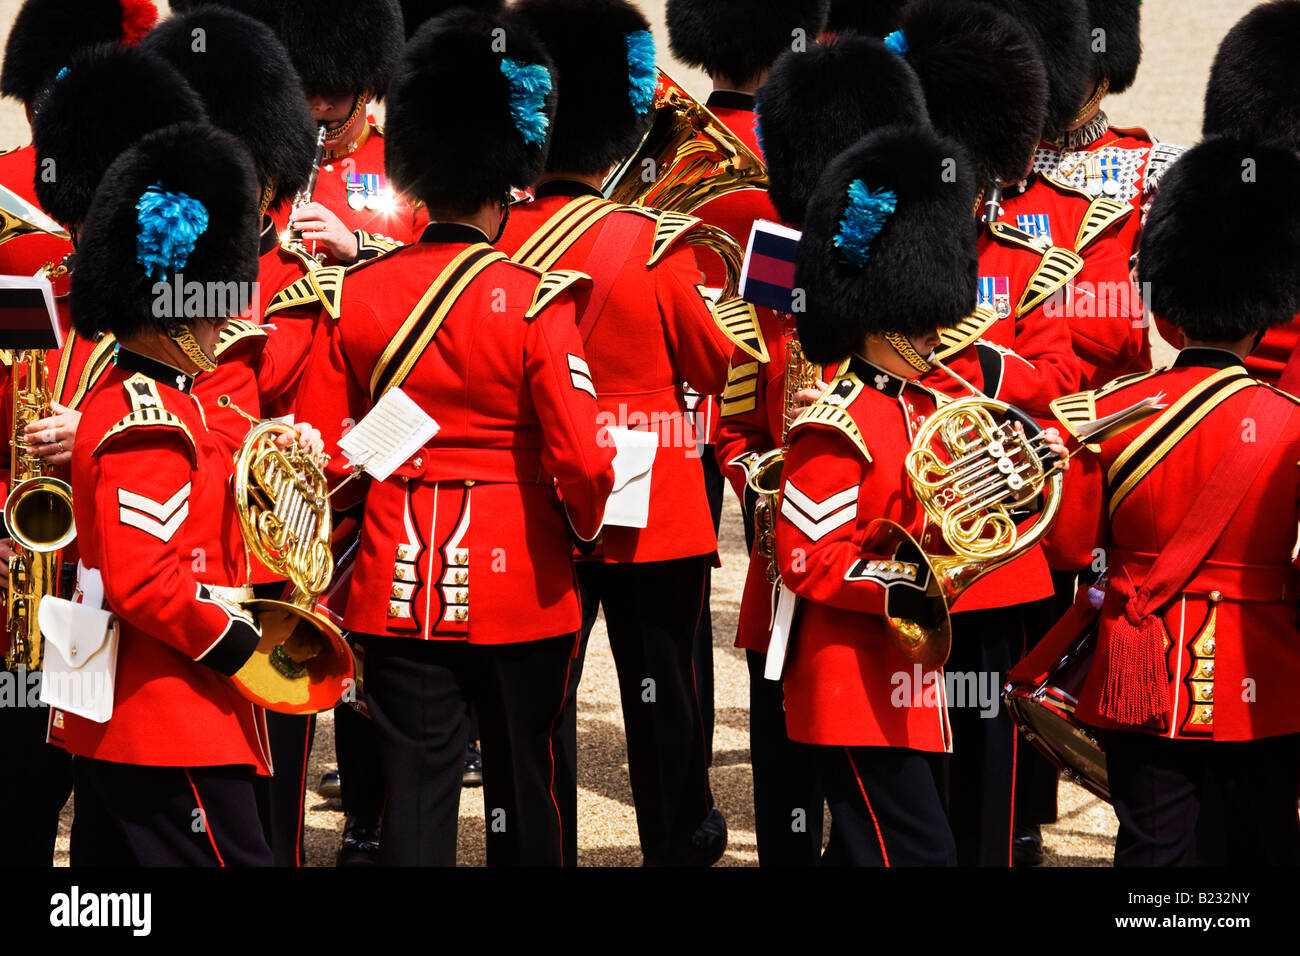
{"points": [[394, 430], [28, 319], [767, 279]]}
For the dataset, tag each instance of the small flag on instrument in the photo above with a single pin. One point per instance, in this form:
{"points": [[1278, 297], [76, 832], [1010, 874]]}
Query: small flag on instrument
{"points": [[768, 276]]}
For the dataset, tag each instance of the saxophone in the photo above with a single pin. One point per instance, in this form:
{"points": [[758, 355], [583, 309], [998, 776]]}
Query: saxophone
{"points": [[38, 515], [764, 473]]}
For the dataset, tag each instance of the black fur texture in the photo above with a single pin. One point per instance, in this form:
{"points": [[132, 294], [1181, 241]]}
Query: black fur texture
{"points": [[816, 104], [922, 273], [1254, 89], [1061, 29], [596, 126], [110, 289], [81, 127], [1220, 252], [1121, 23], [250, 88], [740, 39], [343, 46], [451, 140], [415, 13], [873, 18], [46, 34], [984, 81]]}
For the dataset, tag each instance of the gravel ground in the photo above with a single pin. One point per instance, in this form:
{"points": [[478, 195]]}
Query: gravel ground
{"points": [[1180, 39]]}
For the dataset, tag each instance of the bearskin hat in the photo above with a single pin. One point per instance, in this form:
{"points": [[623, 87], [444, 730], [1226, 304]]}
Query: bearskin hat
{"points": [[984, 81], [415, 13], [740, 39], [1221, 275], [604, 58], [888, 245], [456, 152], [181, 202], [1121, 24], [873, 18], [46, 34], [81, 128], [265, 10], [343, 46], [817, 103], [1254, 89], [1060, 27], [249, 86]]}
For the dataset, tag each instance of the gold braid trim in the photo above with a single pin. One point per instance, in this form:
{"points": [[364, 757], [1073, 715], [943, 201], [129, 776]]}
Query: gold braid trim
{"points": [[910, 355]]}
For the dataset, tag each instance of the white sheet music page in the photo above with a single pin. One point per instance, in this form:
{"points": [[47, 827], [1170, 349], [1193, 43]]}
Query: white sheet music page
{"points": [[394, 430]]}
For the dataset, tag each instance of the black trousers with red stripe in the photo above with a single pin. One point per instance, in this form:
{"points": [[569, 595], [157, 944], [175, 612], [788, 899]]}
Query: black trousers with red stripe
{"points": [[35, 782], [129, 815], [282, 796], [715, 486], [885, 808], [651, 613], [419, 692]]}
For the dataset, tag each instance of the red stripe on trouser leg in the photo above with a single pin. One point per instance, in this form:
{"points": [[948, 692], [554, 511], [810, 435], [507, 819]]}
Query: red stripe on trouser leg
{"points": [[550, 743], [865, 799], [204, 813]]}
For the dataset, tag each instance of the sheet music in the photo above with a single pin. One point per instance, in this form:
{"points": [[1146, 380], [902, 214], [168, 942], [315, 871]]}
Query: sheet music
{"points": [[394, 430]]}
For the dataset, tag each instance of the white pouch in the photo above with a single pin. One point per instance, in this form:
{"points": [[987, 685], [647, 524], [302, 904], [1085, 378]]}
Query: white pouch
{"points": [[80, 658], [782, 624], [629, 501]]}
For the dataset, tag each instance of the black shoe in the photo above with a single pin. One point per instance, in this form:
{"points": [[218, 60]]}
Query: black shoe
{"points": [[360, 845], [1027, 846], [709, 842], [473, 776], [330, 788]]}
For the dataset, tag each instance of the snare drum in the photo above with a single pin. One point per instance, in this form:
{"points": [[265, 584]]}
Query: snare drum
{"points": [[1044, 709]]}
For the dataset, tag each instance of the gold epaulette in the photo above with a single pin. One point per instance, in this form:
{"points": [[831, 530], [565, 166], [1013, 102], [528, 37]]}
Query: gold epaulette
{"points": [[321, 285], [1080, 409], [829, 411], [966, 331], [669, 227], [371, 245], [147, 411], [741, 394], [551, 285], [237, 330], [739, 322], [6, 357], [1057, 267], [1103, 212]]}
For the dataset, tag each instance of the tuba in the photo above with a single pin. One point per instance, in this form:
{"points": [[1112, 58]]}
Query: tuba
{"points": [[282, 498]]}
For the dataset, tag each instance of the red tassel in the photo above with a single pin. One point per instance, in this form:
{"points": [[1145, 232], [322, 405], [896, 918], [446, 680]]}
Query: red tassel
{"points": [[138, 18], [1136, 690]]}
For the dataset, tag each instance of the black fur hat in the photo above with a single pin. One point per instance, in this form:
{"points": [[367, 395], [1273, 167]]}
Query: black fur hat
{"points": [[984, 81], [1060, 28], [1121, 24], [112, 288], [739, 39], [268, 11], [46, 34], [604, 69], [343, 46], [1220, 251], [81, 128], [249, 86], [1254, 89], [415, 13], [873, 18], [456, 152], [817, 103], [918, 272]]}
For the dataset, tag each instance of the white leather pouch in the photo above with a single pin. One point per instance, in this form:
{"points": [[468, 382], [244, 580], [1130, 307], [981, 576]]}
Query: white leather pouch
{"points": [[80, 658]]}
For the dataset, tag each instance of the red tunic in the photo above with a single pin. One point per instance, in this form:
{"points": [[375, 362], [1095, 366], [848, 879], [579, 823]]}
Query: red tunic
{"points": [[394, 216], [1238, 682], [846, 683], [1093, 200], [466, 540], [654, 333], [156, 517]]}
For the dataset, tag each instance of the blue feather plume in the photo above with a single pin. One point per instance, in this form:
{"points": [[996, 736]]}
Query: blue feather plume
{"points": [[758, 128], [169, 225], [530, 84], [643, 77], [864, 217], [897, 41]]}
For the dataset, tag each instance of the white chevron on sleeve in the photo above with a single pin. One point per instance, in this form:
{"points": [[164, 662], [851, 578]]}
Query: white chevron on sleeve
{"points": [[580, 374], [817, 519], [158, 518]]}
